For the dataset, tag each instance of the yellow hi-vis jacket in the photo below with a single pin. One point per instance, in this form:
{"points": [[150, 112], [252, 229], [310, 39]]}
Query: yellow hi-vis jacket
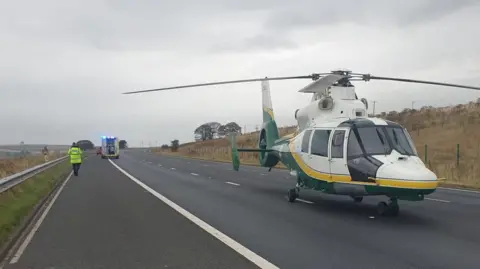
{"points": [[75, 154]]}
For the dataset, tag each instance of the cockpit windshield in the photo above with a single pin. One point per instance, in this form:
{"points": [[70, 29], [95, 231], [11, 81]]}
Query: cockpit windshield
{"points": [[379, 140], [401, 141]]}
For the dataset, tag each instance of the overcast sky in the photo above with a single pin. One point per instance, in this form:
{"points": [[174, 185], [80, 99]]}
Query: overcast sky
{"points": [[64, 64]]}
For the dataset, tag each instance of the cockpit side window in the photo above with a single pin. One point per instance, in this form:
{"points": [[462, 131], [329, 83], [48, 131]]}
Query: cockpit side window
{"points": [[353, 147], [337, 143], [410, 141], [320, 142], [400, 141], [306, 140]]}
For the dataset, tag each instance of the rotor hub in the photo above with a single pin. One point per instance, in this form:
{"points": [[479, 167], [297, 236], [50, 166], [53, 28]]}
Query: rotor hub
{"points": [[342, 72]]}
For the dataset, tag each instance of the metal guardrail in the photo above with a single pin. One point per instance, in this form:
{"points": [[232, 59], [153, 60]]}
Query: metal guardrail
{"points": [[15, 179]]}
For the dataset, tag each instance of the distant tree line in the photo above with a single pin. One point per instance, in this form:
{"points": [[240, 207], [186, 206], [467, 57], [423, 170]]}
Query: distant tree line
{"points": [[174, 145], [123, 144], [207, 131], [212, 130], [85, 144]]}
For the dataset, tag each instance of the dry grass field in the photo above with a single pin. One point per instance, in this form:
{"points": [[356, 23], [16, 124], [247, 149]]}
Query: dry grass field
{"points": [[15, 165], [435, 131]]}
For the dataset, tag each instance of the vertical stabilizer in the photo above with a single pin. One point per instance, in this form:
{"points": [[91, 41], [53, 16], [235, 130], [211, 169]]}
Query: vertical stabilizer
{"points": [[267, 137], [269, 133], [267, 102]]}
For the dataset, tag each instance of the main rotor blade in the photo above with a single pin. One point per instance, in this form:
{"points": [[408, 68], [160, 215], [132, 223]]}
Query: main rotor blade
{"points": [[223, 82], [368, 77]]}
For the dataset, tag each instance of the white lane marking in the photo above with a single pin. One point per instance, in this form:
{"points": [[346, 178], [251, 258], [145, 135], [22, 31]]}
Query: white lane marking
{"points": [[437, 200], [304, 201], [232, 183], [242, 250], [194, 174], [173, 168], [454, 189], [32, 232]]}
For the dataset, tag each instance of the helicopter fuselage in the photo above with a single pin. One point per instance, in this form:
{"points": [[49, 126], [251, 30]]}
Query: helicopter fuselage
{"points": [[357, 157]]}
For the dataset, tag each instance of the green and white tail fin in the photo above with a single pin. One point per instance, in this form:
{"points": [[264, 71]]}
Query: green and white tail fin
{"points": [[269, 127], [268, 135], [267, 102]]}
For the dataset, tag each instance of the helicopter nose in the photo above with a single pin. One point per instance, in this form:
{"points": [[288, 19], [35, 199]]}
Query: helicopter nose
{"points": [[411, 175]]}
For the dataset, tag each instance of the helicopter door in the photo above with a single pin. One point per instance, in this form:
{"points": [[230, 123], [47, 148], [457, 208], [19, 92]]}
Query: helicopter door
{"points": [[303, 148], [318, 158], [337, 153]]}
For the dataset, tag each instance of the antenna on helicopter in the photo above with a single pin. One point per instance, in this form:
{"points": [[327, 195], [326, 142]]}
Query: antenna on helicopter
{"points": [[321, 81]]}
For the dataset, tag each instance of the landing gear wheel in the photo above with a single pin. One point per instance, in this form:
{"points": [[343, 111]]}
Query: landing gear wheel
{"points": [[390, 209], [394, 209], [358, 199], [382, 208], [292, 195]]}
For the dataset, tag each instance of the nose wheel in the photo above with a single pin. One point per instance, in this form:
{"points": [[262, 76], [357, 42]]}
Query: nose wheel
{"points": [[293, 194], [388, 209]]}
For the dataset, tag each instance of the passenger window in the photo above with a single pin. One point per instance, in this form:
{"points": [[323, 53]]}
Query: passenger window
{"points": [[320, 142], [337, 143], [306, 140]]}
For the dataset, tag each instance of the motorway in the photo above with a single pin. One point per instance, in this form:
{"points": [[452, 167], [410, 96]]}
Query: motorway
{"points": [[106, 218]]}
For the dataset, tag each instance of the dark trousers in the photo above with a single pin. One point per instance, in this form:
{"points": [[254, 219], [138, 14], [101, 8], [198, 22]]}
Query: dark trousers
{"points": [[76, 167]]}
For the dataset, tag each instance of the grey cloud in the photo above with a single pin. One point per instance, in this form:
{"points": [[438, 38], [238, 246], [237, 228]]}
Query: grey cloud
{"points": [[256, 43], [311, 13], [64, 55], [431, 10], [115, 25]]}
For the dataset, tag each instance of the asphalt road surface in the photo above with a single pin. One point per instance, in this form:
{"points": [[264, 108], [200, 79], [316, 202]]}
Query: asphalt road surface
{"points": [[105, 219]]}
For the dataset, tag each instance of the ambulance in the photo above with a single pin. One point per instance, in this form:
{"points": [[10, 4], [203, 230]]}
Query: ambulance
{"points": [[110, 147]]}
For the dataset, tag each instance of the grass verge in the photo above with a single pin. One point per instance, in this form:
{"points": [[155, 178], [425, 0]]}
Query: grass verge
{"points": [[19, 201], [15, 165]]}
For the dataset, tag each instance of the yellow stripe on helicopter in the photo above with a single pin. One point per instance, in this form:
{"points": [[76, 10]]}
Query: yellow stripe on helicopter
{"points": [[380, 182], [269, 111]]}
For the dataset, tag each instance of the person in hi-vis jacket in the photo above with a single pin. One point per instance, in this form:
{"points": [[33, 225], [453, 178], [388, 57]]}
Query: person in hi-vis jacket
{"points": [[75, 154]]}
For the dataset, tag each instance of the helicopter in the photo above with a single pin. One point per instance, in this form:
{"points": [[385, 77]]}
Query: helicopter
{"points": [[338, 148]]}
